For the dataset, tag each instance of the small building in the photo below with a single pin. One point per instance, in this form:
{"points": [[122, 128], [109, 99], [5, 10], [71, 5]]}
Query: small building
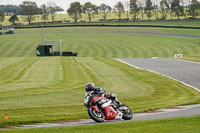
{"points": [[47, 50], [44, 50]]}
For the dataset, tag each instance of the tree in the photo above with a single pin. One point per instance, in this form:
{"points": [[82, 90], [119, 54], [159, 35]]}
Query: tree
{"points": [[90, 9], [170, 8], [13, 19], [177, 8], [10, 8], [194, 7], [52, 9], [52, 12], [141, 5], [127, 8], [156, 9], [148, 8], [2, 16], [164, 8], [119, 9], [134, 8], [185, 4], [44, 12], [104, 10], [29, 10], [75, 11]]}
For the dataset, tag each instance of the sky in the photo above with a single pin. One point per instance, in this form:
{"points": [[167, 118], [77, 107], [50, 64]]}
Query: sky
{"points": [[63, 3]]}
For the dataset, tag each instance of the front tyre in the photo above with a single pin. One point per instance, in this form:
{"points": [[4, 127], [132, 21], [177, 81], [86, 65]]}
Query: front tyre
{"points": [[97, 116], [127, 113]]}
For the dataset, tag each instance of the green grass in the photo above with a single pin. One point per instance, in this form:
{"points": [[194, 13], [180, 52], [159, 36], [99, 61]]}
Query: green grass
{"points": [[178, 125], [35, 89], [95, 42], [52, 89]]}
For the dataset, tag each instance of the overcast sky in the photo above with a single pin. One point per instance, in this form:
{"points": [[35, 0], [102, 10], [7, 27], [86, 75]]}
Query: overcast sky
{"points": [[63, 3]]}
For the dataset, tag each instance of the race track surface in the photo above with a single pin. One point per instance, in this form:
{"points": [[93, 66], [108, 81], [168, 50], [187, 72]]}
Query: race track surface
{"points": [[156, 33], [186, 72], [144, 33]]}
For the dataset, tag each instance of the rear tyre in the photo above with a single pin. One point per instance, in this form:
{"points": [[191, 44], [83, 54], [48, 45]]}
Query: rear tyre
{"points": [[97, 116], [127, 113]]}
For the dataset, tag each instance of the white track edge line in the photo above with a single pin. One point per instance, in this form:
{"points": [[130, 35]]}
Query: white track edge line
{"points": [[160, 74], [170, 110], [190, 61]]}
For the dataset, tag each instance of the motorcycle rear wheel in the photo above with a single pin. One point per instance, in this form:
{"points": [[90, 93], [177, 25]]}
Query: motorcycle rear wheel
{"points": [[97, 116], [127, 113]]}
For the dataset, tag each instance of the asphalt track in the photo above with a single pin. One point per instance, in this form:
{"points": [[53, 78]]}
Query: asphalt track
{"points": [[152, 33], [186, 72], [144, 33]]}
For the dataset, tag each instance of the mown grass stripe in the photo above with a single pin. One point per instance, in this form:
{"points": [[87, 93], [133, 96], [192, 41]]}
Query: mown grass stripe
{"points": [[15, 71], [5, 62]]}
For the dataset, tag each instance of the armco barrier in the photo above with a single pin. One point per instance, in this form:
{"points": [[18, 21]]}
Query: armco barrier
{"points": [[103, 25]]}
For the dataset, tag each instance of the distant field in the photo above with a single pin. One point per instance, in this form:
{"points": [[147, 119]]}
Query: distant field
{"points": [[35, 89], [103, 42], [178, 125], [65, 18]]}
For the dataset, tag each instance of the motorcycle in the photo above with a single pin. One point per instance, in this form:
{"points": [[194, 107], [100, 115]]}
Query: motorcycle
{"points": [[100, 108]]}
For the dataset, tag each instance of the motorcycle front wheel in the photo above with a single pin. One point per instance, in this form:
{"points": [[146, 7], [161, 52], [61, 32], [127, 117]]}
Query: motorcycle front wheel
{"points": [[127, 113], [97, 116]]}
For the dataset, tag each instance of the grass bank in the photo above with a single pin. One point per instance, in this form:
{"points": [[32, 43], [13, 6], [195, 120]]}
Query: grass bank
{"points": [[36, 90], [178, 125]]}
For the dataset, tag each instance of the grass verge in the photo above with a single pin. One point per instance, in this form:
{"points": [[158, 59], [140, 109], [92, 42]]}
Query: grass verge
{"points": [[36, 90], [177, 125]]}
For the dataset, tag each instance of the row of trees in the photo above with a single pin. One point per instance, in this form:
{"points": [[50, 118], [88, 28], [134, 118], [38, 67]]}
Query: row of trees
{"points": [[138, 7], [173, 8], [29, 9], [10, 8], [133, 7], [76, 9]]}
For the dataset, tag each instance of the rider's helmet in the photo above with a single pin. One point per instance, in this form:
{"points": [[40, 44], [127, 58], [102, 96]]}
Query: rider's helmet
{"points": [[89, 87], [100, 91]]}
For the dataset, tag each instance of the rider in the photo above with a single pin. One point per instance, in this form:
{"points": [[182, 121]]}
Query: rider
{"points": [[90, 87]]}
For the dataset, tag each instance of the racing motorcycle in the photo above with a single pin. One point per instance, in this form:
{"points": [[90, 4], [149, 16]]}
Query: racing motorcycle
{"points": [[100, 108]]}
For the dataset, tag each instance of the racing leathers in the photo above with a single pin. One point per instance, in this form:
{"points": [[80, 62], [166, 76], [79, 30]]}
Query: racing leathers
{"points": [[101, 91]]}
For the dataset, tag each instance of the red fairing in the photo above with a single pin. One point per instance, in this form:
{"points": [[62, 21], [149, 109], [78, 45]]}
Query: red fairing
{"points": [[110, 113], [96, 98], [95, 108]]}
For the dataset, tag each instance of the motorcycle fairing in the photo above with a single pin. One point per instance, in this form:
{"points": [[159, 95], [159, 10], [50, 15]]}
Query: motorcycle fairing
{"points": [[96, 98], [110, 113], [95, 108]]}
